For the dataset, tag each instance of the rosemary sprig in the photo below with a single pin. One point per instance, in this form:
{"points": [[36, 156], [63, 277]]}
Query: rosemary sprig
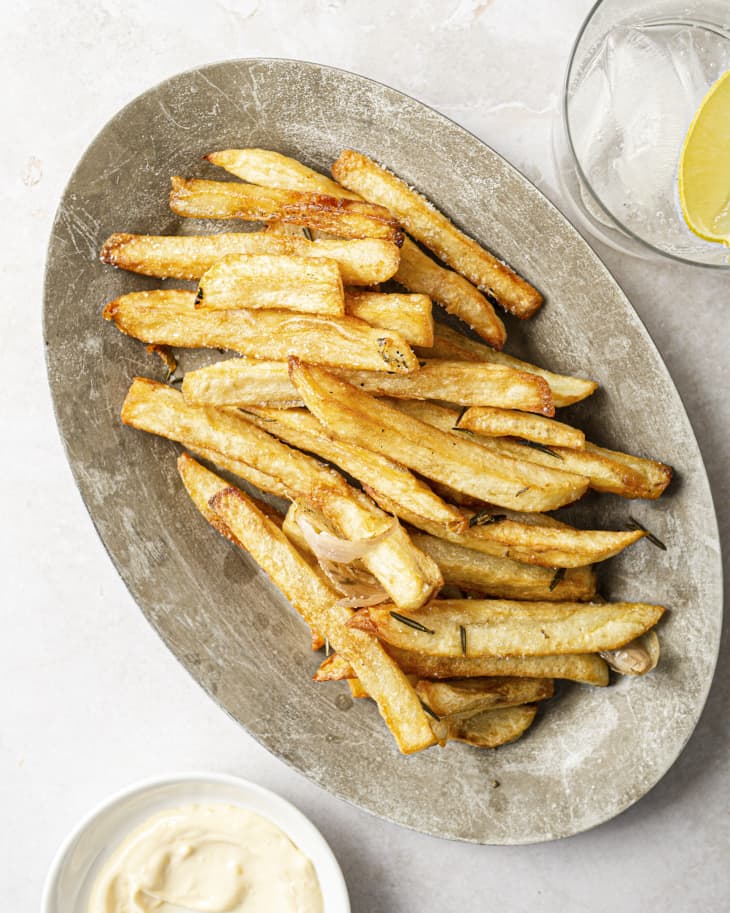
{"points": [[307, 233], [485, 517], [542, 448], [462, 635], [557, 577], [411, 622], [655, 540]]}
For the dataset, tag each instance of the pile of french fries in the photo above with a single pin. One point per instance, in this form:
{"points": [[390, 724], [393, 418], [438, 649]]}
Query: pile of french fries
{"points": [[418, 462]]}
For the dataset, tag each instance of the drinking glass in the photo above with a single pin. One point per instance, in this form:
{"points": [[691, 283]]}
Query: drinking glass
{"points": [[637, 74]]}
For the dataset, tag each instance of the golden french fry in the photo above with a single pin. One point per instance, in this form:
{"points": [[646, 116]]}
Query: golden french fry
{"points": [[365, 261], [302, 430], [318, 604], [493, 422], [587, 668], [363, 176], [238, 382], [492, 627], [260, 480], [272, 169], [493, 728], [452, 345], [409, 315], [350, 414], [203, 485], [251, 203], [463, 697], [407, 575], [605, 470], [419, 273], [169, 317], [504, 578], [283, 282]]}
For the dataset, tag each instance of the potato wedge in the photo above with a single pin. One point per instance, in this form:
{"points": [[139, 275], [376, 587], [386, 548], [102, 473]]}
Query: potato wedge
{"points": [[419, 273], [251, 203], [363, 176], [318, 604], [302, 430], [452, 345], [492, 422], [605, 470], [260, 480], [504, 578], [169, 317], [287, 282], [272, 169], [494, 627], [493, 728], [353, 415], [409, 315], [365, 261], [463, 697], [409, 576], [587, 668]]}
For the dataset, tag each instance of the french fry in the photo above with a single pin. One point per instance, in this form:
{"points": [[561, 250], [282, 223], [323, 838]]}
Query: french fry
{"points": [[417, 271], [203, 485], [493, 728], [605, 470], [272, 169], [251, 203], [363, 176], [492, 422], [494, 627], [504, 578], [407, 575], [169, 317], [365, 261], [304, 284], [255, 477], [318, 604], [352, 415], [302, 430], [450, 344], [409, 315], [239, 382], [463, 697], [587, 668]]}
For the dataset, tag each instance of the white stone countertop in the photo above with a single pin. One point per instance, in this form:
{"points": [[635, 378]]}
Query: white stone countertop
{"points": [[91, 699]]}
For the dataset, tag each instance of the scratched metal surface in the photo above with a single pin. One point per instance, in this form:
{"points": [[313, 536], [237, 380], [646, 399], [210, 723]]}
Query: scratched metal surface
{"points": [[592, 752]]}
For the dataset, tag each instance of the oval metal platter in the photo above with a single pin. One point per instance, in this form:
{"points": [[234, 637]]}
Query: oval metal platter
{"points": [[593, 751]]}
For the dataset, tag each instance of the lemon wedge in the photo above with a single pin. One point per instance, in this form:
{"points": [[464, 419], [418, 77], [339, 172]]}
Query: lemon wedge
{"points": [[704, 166]]}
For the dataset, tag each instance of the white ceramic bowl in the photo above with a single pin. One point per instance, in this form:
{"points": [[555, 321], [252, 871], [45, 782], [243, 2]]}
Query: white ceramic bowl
{"points": [[80, 857]]}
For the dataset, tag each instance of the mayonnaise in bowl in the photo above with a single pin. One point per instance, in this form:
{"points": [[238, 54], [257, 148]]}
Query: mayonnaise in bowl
{"points": [[207, 858]]}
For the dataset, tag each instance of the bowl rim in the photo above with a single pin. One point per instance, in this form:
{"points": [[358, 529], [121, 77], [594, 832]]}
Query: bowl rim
{"points": [[279, 811]]}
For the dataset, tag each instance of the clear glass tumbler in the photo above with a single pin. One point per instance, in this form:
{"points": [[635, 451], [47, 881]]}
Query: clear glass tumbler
{"points": [[637, 74]]}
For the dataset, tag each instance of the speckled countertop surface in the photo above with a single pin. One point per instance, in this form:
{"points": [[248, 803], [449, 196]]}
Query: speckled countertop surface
{"points": [[87, 686]]}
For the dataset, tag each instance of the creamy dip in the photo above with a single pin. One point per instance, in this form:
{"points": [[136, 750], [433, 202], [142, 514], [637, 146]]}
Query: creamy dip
{"points": [[207, 859]]}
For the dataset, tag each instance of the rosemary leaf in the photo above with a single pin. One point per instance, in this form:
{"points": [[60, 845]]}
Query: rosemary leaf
{"points": [[411, 622], [429, 711], [557, 577], [655, 540], [542, 448], [307, 233], [462, 635]]}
